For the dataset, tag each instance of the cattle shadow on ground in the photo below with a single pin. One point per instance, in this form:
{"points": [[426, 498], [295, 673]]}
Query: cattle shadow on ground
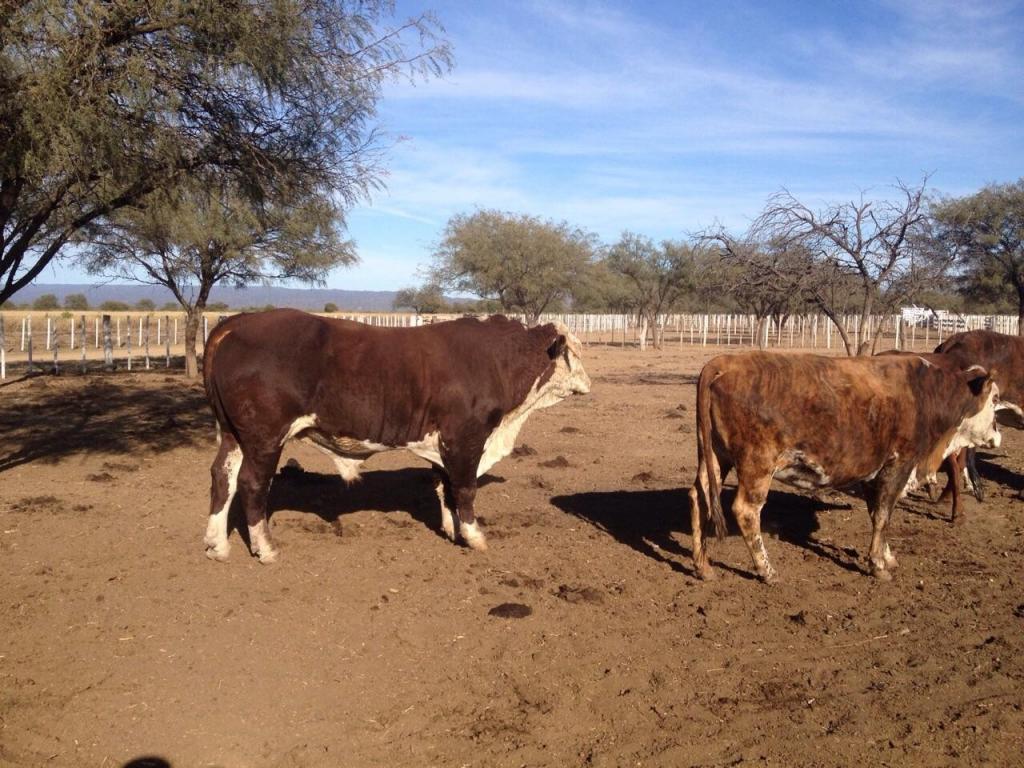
{"points": [[646, 521], [329, 497], [990, 469], [48, 421]]}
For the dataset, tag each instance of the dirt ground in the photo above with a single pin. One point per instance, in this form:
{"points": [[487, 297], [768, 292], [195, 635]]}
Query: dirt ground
{"points": [[581, 638]]}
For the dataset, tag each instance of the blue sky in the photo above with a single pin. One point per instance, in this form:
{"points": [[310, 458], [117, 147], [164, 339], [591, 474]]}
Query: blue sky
{"points": [[666, 117]]}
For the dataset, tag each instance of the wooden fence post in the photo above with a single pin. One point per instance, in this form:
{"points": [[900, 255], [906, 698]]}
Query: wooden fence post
{"points": [[29, 344], [81, 338], [108, 344], [167, 339], [3, 351], [146, 341], [128, 339]]}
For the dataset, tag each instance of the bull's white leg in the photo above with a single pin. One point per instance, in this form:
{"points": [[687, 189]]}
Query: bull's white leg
{"points": [[260, 543], [473, 536], [447, 521], [225, 482]]}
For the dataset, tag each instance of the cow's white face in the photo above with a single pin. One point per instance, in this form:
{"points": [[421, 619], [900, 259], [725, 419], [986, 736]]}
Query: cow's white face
{"points": [[569, 377], [981, 429]]}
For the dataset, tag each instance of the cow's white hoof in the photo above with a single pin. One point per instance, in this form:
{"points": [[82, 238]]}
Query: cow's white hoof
{"points": [[267, 557], [473, 536], [218, 552]]}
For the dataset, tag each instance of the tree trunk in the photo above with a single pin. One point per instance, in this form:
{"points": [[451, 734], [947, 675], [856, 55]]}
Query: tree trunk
{"points": [[1020, 310], [192, 318]]}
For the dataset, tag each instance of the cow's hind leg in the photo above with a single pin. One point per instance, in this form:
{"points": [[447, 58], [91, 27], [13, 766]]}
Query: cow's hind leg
{"points": [[750, 497], [253, 486], [699, 513], [461, 469], [224, 482]]}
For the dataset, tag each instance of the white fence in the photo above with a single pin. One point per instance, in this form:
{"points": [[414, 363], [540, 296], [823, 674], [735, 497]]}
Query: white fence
{"points": [[43, 341]]}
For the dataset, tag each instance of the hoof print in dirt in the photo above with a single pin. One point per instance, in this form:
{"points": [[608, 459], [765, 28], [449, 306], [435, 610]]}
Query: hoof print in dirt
{"points": [[559, 462], [800, 617], [570, 431], [641, 477], [100, 477], [510, 611], [580, 595], [523, 450]]}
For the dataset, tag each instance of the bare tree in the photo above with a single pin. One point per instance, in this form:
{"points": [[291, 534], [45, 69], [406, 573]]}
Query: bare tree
{"points": [[871, 247]]}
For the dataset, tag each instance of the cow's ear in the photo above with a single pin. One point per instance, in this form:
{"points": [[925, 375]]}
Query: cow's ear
{"points": [[557, 347], [977, 377]]}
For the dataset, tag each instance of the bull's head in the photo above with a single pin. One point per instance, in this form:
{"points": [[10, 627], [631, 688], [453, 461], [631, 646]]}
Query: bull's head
{"points": [[569, 377]]}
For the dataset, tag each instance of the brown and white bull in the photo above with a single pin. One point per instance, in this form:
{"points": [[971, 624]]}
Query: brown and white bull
{"points": [[1003, 355], [454, 393], [820, 422]]}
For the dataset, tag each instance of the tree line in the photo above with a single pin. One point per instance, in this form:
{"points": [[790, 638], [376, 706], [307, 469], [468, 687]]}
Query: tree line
{"points": [[190, 144], [865, 257]]}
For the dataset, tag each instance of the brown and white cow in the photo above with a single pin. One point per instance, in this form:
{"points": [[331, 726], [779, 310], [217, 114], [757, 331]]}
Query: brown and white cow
{"points": [[1004, 356], [454, 393], [818, 422]]}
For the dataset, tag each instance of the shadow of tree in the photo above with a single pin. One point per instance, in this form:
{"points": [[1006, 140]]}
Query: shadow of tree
{"points": [[50, 418], [646, 521]]}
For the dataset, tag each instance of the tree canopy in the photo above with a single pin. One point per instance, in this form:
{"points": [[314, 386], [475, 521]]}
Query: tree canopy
{"points": [[984, 233], [199, 235], [105, 101], [526, 263]]}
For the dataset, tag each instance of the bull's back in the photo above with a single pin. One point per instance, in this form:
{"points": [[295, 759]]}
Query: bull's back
{"points": [[1001, 355]]}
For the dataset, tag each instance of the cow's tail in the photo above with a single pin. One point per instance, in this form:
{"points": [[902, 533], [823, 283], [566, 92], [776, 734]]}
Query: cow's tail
{"points": [[705, 449]]}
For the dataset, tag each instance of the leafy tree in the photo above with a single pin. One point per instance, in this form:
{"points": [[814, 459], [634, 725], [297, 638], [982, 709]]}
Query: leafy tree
{"points": [[523, 262], [984, 232], [76, 302], [658, 275], [202, 235], [601, 289], [426, 300], [114, 306], [170, 306], [217, 306], [145, 305], [103, 102], [46, 301], [330, 306]]}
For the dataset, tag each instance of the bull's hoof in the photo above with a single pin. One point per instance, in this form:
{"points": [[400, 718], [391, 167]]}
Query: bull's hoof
{"points": [[707, 573], [473, 536], [449, 528], [267, 557], [958, 520], [770, 578], [880, 573], [219, 553]]}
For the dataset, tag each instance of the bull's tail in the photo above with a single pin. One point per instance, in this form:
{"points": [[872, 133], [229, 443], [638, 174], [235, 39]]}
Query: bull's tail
{"points": [[213, 394], [706, 451]]}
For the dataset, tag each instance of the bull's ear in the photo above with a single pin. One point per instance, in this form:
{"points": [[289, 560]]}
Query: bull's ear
{"points": [[976, 377], [557, 347]]}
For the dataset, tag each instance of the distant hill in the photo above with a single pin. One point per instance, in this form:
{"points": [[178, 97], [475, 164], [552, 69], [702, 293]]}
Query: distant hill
{"points": [[236, 298]]}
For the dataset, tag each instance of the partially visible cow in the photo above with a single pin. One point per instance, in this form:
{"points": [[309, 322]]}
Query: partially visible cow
{"points": [[818, 422], [1004, 356], [454, 393]]}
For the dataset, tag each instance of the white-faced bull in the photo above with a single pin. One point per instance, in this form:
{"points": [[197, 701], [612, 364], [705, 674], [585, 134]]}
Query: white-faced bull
{"points": [[818, 422], [454, 393]]}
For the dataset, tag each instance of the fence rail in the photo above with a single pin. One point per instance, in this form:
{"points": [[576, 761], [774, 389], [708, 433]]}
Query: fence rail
{"points": [[41, 341]]}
